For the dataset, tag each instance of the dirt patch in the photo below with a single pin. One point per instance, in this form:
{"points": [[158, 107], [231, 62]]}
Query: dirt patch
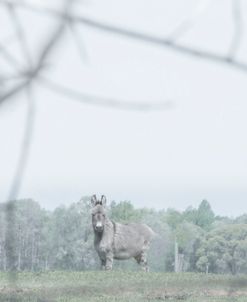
{"points": [[165, 295]]}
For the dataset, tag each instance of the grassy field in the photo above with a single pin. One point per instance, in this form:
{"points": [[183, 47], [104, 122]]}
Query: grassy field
{"points": [[122, 286]]}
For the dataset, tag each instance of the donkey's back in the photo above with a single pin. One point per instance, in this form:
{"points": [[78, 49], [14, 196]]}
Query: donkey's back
{"points": [[131, 240]]}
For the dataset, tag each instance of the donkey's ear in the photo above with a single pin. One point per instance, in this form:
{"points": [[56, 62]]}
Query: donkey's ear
{"points": [[103, 200], [93, 200]]}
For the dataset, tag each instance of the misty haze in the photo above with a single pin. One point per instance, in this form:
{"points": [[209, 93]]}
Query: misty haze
{"points": [[143, 102]]}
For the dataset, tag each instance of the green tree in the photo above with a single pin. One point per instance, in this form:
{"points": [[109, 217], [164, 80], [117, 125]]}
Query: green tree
{"points": [[205, 215], [173, 218], [224, 250], [202, 217], [123, 212], [188, 236]]}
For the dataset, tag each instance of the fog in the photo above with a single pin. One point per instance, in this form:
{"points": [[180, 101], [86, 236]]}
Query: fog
{"points": [[192, 150]]}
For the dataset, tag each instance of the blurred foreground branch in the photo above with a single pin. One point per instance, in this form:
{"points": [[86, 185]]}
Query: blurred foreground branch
{"points": [[102, 101], [169, 43]]}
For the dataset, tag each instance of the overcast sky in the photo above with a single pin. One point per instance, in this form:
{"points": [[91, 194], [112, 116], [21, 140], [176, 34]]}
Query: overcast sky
{"points": [[172, 158]]}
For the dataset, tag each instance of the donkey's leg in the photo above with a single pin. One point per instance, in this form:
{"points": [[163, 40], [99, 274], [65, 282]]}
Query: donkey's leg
{"points": [[103, 263], [142, 260], [109, 260]]}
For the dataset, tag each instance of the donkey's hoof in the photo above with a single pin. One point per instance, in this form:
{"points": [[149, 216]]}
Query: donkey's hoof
{"points": [[108, 268]]}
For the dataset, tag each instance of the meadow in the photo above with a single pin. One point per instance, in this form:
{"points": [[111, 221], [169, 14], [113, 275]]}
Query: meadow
{"points": [[122, 286]]}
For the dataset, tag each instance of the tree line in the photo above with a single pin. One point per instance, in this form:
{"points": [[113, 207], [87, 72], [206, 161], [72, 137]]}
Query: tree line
{"points": [[193, 240]]}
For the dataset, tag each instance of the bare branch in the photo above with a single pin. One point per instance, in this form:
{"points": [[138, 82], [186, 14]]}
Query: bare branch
{"points": [[13, 91], [206, 55], [143, 37], [8, 56], [103, 101], [238, 29], [187, 24], [13, 77], [20, 33], [46, 51], [79, 42]]}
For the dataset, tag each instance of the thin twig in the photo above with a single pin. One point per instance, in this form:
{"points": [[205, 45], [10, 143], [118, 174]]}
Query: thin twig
{"points": [[167, 43], [238, 29], [20, 33], [103, 101], [187, 24], [79, 43], [9, 57], [13, 77], [14, 91]]}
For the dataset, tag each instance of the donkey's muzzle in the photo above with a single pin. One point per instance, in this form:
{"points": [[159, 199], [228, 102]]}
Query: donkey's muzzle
{"points": [[99, 227]]}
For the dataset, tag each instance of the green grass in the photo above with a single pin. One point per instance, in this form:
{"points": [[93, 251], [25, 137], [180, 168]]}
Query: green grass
{"points": [[122, 286]]}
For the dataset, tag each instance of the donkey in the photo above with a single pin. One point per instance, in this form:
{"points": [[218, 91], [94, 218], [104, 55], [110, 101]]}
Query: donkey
{"points": [[114, 240]]}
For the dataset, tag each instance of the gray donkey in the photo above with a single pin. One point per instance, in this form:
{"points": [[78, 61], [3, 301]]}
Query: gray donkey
{"points": [[114, 240]]}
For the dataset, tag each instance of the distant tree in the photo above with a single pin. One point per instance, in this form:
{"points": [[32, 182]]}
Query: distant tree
{"points": [[191, 215], [3, 256], [241, 219], [202, 217], [188, 236], [27, 226], [123, 212], [161, 251], [71, 250], [205, 214], [63, 239], [173, 218], [224, 250]]}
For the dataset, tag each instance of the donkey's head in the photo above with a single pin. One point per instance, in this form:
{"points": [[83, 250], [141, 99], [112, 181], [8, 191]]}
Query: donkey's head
{"points": [[98, 213]]}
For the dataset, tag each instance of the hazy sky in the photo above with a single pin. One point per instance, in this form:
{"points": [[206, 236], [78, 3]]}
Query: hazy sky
{"points": [[171, 158]]}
